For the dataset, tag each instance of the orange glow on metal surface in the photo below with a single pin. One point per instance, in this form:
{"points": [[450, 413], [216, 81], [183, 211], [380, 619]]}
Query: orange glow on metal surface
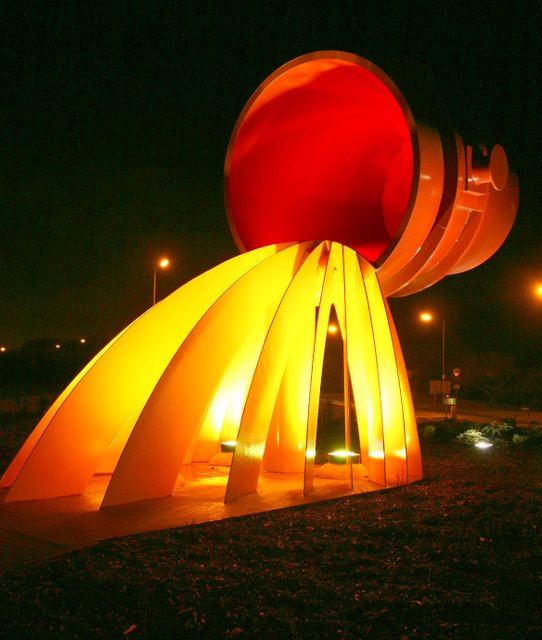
{"points": [[162, 409], [339, 198], [113, 389]]}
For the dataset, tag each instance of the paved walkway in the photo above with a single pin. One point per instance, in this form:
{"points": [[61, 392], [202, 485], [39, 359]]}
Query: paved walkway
{"points": [[479, 413], [31, 531]]}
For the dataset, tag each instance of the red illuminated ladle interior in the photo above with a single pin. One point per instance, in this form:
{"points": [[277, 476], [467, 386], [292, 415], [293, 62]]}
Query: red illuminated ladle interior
{"points": [[321, 152]]}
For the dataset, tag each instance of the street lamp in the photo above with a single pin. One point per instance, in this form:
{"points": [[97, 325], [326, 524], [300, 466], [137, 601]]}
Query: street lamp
{"points": [[428, 317], [163, 263]]}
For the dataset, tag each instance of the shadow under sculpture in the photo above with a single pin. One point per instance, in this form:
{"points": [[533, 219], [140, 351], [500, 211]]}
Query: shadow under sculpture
{"points": [[337, 199]]}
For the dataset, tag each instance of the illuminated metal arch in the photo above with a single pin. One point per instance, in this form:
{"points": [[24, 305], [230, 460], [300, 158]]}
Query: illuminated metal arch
{"points": [[123, 415]]}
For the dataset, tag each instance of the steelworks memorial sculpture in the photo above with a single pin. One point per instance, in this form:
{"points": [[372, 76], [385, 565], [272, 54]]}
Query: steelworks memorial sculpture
{"points": [[338, 198]]}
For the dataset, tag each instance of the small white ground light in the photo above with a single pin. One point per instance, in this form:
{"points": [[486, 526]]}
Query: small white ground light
{"points": [[341, 456]]}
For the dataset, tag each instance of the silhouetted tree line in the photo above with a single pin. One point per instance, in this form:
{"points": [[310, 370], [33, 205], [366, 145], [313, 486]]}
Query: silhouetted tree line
{"points": [[493, 378], [40, 367]]}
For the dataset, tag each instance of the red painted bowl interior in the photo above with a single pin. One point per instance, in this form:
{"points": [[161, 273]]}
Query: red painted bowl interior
{"points": [[323, 152]]}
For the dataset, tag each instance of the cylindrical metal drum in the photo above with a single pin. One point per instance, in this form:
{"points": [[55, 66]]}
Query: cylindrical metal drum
{"points": [[327, 148]]}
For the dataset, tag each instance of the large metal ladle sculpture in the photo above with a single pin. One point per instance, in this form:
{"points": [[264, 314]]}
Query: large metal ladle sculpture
{"points": [[338, 198]]}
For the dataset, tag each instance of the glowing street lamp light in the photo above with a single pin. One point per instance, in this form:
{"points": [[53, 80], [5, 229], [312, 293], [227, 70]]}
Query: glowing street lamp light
{"points": [[163, 263]]}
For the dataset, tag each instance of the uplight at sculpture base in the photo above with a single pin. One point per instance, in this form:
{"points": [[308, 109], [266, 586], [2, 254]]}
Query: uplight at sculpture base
{"points": [[234, 355]]}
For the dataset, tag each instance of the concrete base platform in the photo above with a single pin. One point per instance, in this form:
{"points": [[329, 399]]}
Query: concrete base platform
{"points": [[30, 531]]}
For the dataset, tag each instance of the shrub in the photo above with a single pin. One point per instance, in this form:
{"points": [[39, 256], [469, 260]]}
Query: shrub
{"points": [[530, 436], [471, 436], [428, 430], [502, 434], [498, 430]]}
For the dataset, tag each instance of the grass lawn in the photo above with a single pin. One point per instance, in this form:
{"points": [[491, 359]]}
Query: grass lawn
{"points": [[456, 555]]}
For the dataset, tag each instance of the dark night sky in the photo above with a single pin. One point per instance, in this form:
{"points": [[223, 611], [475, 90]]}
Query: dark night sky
{"points": [[115, 118]]}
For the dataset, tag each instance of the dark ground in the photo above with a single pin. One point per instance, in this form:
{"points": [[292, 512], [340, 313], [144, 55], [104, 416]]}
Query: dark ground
{"points": [[457, 555]]}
